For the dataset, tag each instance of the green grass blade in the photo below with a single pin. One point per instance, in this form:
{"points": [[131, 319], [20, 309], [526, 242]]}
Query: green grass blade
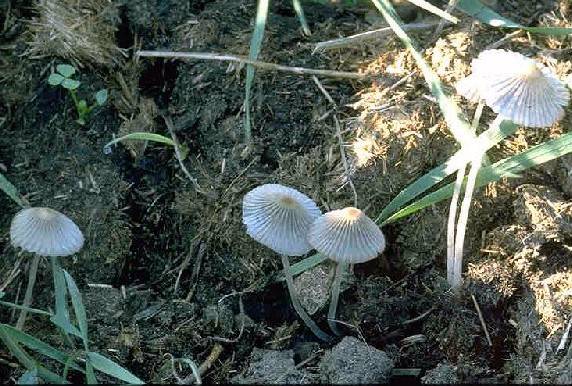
{"points": [[485, 141], [255, 46], [30, 377], [457, 123], [90, 374], [484, 14], [434, 10], [7, 187], [38, 346], [30, 310], [78, 307], [304, 265], [300, 13], [142, 136], [27, 361], [509, 168], [61, 318], [109, 367]]}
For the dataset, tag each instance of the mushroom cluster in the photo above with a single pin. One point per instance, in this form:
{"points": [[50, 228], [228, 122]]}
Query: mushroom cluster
{"points": [[291, 224]]}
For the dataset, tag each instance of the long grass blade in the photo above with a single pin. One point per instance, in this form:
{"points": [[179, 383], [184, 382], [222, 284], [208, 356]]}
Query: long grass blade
{"points": [[300, 13], [435, 10], [26, 360], [141, 136], [78, 307], [304, 265], [12, 192], [61, 317], [255, 46], [29, 309], [506, 168], [457, 123], [38, 346], [484, 14], [485, 141], [109, 367]]}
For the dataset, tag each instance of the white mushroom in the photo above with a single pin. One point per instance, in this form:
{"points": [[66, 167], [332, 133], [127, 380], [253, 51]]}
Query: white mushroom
{"points": [[46, 232], [347, 236], [516, 87], [279, 217]]}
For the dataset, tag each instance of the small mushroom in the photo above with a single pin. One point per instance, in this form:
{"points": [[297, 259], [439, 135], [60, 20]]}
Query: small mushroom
{"points": [[516, 87], [346, 236], [44, 232], [279, 218]]}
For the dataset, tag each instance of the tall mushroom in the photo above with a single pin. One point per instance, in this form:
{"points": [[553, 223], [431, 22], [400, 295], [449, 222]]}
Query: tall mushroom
{"points": [[279, 218], [44, 232], [518, 89], [346, 236]]}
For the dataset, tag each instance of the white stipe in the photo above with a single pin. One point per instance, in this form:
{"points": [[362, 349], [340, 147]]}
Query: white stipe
{"points": [[279, 217], [347, 235], [46, 232]]}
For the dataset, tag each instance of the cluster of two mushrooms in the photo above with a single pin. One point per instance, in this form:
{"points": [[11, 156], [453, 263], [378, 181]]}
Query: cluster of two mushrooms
{"points": [[291, 224]]}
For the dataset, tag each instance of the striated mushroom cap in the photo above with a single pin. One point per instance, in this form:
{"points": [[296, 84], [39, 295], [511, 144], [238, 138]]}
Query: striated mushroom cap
{"points": [[347, 236], [279, 217], [46, 232], [516, 87]]}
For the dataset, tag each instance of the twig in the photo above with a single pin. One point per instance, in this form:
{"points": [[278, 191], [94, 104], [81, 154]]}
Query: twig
{"points": [[196, 271], [242, 316], [420, 317], [483, 324], [450, 7], [505, 39], [340, 139], [203, 368], [564, 339], [177, 146], [365, 36], [255, 63]]}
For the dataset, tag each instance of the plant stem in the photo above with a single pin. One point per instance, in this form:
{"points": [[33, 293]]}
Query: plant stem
{"points": [[336, 284], [32, 273], [457, 279], [451, 223], [298, 306]]}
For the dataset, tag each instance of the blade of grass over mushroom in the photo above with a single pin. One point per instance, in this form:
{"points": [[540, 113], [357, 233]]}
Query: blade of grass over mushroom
{"points": [[255, 46], [107, 366], [485, 141], [304, 265], [300, 13], [38, 346], [484, 14], [12, 192], [459, 126], [435, 10], [506, 168]]}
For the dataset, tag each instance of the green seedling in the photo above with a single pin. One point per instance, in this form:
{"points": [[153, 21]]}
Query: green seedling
{"points": [[63, 77]]}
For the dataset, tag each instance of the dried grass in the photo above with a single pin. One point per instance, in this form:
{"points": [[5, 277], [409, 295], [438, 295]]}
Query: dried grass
{"points": [[80, 31]]}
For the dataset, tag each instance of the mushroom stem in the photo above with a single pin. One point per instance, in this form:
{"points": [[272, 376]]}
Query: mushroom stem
{"points": [[336, 284], [32, 273], [298, 306]]}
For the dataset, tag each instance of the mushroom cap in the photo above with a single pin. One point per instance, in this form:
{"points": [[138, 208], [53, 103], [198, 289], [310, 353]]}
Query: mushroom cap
{"points": [[516, 87], [279, 217], [347, 236], [46, 232]]}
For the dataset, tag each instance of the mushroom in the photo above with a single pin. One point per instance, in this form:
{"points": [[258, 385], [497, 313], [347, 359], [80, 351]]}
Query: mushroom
{"points": [[516, 87], [44, 232], [346, 236], [279, 218]]}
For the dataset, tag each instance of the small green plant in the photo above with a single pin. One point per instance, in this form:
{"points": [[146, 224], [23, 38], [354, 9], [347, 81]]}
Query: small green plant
{"points": [[77, 355], [63, 77]]}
